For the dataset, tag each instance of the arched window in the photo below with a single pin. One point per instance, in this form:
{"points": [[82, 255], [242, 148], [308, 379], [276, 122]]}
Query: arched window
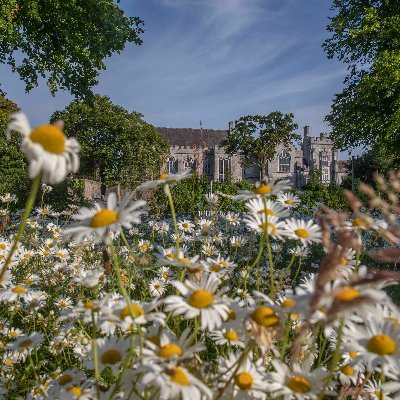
{"points": [[172, 165], [188, 164], [284, 161], [324, 162], [207, 166]]}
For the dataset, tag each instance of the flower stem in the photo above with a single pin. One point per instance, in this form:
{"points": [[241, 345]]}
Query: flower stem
{"points": [[28, 208], [167, 191]]}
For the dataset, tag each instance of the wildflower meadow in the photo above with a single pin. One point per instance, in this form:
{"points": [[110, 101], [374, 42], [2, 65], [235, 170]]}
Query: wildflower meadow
{"points": [[111, 302]]}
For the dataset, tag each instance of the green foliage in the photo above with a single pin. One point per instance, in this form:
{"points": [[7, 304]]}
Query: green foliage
{"points": [[315, 193], [256, 137], [64, 41], [190, 196], [13, 165], [117, 145], [366, 36]]}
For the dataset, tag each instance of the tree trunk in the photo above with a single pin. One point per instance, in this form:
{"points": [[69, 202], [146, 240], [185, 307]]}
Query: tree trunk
{"points": [[261, 164]]}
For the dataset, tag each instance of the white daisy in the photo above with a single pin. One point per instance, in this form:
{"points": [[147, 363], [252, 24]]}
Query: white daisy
{"points": [[99, 222], [307, 232], [49, 152], [201, 300], [175, 383], [377, 344]]}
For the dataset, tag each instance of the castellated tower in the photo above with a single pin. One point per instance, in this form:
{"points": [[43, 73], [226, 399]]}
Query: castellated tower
{"points": [[200, 150]]}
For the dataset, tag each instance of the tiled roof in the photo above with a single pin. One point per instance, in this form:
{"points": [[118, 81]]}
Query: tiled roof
{"points": [[189, 136]]}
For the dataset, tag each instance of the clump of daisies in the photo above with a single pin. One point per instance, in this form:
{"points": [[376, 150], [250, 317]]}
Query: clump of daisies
{"points": [[265, 304]]}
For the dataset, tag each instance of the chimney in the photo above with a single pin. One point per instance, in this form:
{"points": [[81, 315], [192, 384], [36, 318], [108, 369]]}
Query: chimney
{"points": [[307, 130]]}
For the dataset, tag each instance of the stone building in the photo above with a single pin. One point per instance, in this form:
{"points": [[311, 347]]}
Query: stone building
{"points": [[200, 150]]}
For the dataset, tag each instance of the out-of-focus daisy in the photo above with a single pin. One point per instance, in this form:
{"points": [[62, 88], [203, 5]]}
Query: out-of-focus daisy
{"points": [[377, 344], [144, 245], [288, 199], [13, 293], [24, 343], [307, 232], [249, 380], [201, 300], [264, 188], [296, 383], [48, 150], [175, 383], [266, 224], [99, 221], [111, 352], [268, 207], [164, 179], [165, 348]]}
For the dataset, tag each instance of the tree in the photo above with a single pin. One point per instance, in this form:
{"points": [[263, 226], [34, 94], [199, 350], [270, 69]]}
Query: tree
{"points": [[117, 145], [13, 165], [65, 41], [366, 36], [256, 137]]}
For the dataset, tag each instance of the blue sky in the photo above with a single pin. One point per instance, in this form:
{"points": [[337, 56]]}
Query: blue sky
{"points": [[213, 60]]}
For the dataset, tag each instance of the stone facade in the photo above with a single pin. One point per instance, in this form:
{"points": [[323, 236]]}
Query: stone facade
{"points": [[200, 150]]}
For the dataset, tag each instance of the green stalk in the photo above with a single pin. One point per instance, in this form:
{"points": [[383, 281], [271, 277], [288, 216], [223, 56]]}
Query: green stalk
{"points": [[173, 214], [28, 208]]}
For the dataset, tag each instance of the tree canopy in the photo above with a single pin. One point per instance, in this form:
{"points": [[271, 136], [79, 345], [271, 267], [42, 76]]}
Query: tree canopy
{"points": [[117, 145], [63, 41], [13, 165], [366, 36], [256, 137]]}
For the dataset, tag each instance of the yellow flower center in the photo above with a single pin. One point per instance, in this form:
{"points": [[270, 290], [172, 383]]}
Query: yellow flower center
{"points": [[103, 217], [13, 334], [382, 345], [231, 315], [267, 211], [359, 223], [63, 303], [268, 226], [262, 189], [18, 289], [302, 233], [265, 316], [144, 246], [64, 379], [49, 137], [347, 294], [134, 310], [185, 225], [201, 299], [288, 303], [111, 356], [288, 201], [231, 335], [244, 380], [379, 394], [25, 343], [347, 370], [298, 384], [178, 376], [89, 304], [169, 350], [163, 176], [8, 361], [154, 339], [343, 262], [353, 354], [3, 246], [170, 255], [75, 390]]}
